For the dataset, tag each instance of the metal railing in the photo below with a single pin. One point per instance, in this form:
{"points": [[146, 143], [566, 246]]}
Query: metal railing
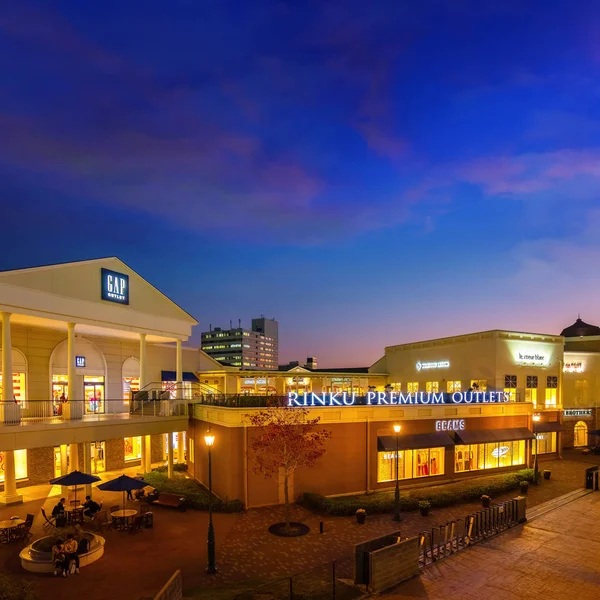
{"points": [[50, 411], [456, 535]]}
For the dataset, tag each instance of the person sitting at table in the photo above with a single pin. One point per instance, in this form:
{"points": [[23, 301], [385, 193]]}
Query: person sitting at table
{"points": [[90, 508], [59, 509], [59, 558], [70, 548]]}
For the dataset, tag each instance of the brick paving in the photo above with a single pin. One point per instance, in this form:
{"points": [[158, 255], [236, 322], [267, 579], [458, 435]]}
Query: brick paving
{"points": [[556, 557], [246, 553]]}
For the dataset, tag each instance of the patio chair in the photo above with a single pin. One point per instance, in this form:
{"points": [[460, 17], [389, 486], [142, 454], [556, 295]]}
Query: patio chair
{"points": [[136, 526], [19, 532], [76, 516], [102, 521], [49, 523]]}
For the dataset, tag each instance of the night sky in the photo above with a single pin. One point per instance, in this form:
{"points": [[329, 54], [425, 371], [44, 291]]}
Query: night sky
{"points": [[368, 173]]}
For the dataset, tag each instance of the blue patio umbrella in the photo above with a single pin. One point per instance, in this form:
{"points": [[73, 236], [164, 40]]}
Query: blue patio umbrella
{"points": [[74, 478], [124, 483]]}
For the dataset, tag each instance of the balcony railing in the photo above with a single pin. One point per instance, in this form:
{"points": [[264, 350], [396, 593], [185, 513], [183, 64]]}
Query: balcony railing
{"points": [[49, 411]]}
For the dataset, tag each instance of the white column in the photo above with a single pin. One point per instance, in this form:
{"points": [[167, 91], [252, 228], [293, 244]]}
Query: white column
{"points": [[180, 447], [7, 368], [74, 454], [147, 442], [64, 467], [10, 496], [143, 453], [170, 457], [71, 360], [143, 381], [87, 465], [179, 370]]}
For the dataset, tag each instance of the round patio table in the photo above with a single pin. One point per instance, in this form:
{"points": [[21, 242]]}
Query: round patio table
{"points": [[6, 526], [123, 517]]}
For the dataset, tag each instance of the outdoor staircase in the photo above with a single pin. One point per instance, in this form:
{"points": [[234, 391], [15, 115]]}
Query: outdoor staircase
{"points": [[546, 507]]}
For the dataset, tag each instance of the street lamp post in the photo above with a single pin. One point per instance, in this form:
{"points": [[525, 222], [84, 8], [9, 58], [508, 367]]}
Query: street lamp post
{"points": [[211, 568], [536, 417], [397, 516]]}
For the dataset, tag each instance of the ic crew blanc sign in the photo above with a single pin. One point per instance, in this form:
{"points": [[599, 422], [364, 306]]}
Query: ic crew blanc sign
{"points": [[394, 398], [115, 287]]}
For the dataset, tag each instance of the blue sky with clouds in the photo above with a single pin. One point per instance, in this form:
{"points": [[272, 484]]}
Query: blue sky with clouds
{"points": [[369, 174]]}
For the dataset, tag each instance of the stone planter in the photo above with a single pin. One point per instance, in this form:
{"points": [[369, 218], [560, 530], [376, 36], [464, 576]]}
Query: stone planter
{"points": [[524, 487], [547, 474]]}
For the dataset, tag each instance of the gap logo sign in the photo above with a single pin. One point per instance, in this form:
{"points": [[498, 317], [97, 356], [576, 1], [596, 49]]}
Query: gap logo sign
{"points": [[115, 287]]}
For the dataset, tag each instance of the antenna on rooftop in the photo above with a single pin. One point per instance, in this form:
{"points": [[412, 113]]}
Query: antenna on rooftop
{"points": [[240, 323], [230, 324]]}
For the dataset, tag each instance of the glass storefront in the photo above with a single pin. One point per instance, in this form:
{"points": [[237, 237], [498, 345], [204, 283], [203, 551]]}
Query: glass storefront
{"points": [[18, 389], [412, 464], [131, 386], [98, 455], [20, 464], [175, 439], [60, 392], [581, 434], [57, 469], [93, 394], [133, 448], [545, 443], [475, 457], [171, 386]]}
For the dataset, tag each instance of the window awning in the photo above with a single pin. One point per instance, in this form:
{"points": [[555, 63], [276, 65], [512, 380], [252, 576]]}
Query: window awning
{"points": [[387, 443], [479, 436], [545, 427], [172, 376]]}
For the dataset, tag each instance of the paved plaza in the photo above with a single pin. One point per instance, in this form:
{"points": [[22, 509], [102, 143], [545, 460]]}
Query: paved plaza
{"points": [[136, 566], [555, 557]]}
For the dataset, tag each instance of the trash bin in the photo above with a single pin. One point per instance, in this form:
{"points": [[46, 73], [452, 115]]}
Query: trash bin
{"points": [[591, 478], [148, 520]]}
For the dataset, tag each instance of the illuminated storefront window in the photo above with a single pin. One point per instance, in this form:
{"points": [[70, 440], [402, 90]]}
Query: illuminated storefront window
{"points": [[98, 454], [510, 387], [93, 394], [185, 387], [551, 389], [131, 386], [479, 385], [432, 387], [581, 434], [475, 457], [453, 386], [531, 385], [20, 464], [546, 443], [412, 464], [18, 389], [175, 439], [412, 386], [581, 392], [133, 448]]}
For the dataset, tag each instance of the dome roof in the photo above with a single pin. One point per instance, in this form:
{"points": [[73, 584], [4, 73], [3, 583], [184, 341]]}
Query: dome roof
{"points": [[580, 329]]}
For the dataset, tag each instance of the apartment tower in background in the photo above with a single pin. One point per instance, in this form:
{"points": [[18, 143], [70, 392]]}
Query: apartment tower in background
{"points": [[256, 348]]}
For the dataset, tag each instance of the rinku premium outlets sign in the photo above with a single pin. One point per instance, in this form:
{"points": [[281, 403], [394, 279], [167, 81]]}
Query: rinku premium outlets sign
{"points": [[394, 398], [115, 287]]}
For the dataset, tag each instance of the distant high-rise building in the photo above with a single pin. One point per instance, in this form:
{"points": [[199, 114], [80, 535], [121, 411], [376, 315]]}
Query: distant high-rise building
{"points": [[256, 348]]}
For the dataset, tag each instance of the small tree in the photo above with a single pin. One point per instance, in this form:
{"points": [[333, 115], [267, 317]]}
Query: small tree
{"points": [[286, 439]]}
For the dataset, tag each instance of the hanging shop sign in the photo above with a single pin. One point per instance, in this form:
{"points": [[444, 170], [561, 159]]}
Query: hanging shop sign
{"points": [[394, 398], [80, 361], [115, 286], [425, 366], [450, 425], [577, 412], [573, 367], [531, 358]]}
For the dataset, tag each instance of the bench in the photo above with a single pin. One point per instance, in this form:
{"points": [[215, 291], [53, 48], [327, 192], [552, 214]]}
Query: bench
{"points": [[172, 500]]}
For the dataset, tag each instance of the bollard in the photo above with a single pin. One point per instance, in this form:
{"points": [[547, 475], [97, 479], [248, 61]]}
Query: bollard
{"points": [[320, 526]]}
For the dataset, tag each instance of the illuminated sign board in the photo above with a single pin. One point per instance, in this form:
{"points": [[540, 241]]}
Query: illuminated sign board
{"points": [[573, 367], [115, 287], [500, 451], [577, 412], [394, 398], [425, 366], [531, 358], [450, 425], [80, 361]]}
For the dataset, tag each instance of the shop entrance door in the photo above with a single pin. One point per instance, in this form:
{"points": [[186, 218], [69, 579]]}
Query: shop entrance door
{"points": [[60, 392], [57, 469], [98, 450], [93, 393]]}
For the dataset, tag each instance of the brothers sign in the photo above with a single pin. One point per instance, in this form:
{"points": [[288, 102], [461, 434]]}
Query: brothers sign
{"points": [[394, 398]]}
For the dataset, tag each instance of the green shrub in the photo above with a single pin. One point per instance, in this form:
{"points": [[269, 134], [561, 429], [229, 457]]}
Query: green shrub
{"points": [[178, 468], [439, 496], [196, 496]]}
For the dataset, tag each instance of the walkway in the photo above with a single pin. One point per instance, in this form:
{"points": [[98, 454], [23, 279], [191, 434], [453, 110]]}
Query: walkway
{"points": [[555, 557]]}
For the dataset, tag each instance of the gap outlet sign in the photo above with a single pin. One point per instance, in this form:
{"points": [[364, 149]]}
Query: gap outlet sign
{"points": [[394, 398], [115, 287]]}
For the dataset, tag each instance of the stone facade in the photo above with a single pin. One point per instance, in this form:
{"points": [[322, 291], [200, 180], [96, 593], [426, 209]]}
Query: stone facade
{"points": [[157, 448], [568, 434], [40, 465], [115, 455]]}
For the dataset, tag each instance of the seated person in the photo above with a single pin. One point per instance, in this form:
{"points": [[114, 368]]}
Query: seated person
{"points": [[59, 559], [84, 546], [90, 508], [70, 549], [147, 492], [59, 508]]}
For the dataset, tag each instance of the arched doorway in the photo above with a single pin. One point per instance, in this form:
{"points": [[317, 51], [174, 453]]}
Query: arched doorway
{"points": [[19, 365], [90, 376], [131, 377], [581, 434]]}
